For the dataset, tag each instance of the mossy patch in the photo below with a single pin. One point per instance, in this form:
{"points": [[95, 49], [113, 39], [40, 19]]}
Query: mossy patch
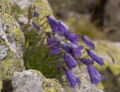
{"points": [[115, 69], [51, 85], [13, 34], [6, 6]]}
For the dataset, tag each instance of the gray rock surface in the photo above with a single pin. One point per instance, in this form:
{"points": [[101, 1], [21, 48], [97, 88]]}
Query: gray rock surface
{"points": [[34, 81], [28, 81], [3, 51]]}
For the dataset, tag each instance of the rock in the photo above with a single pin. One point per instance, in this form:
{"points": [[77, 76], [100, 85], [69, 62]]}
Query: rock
{"points": [[34, 81], [3, 51], [11, 42]]}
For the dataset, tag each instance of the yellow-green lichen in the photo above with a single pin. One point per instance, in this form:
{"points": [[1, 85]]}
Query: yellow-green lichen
{"points": [[13, 34], [14, 27], [8, 66], [51, 85], [115, 68], [6, 6]]}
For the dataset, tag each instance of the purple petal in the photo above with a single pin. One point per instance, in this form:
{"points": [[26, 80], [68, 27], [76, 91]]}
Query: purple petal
{"points": [[36, 14], [72, 78], [73, 49], [55, 50], [62, 28], [70, 61], [95, 76], [95, 57], [53, 23], [72, 37], [87, 61], [88, 42], [36, 25], [77, 51], [54, 46]]}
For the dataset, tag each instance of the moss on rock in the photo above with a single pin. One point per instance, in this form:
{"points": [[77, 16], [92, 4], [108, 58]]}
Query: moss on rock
{"points": [[12, 37]]}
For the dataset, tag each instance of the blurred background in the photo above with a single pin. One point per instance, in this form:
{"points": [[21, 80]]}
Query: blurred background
{"points": [[97, 18], [100, 20]]}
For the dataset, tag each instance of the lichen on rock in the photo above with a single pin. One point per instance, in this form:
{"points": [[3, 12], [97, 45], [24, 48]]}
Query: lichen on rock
{"points": [[11, 38]]}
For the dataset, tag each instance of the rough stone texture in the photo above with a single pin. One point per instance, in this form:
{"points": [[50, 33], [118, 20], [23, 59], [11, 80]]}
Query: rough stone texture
{"points": [[34, 81], [11, 40], [3, 51]]}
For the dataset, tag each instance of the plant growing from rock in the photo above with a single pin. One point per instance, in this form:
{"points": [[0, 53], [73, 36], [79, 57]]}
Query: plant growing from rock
{"points": [[60, 51]]}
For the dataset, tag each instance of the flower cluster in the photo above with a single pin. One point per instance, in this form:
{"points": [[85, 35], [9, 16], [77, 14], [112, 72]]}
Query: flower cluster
{"points": [[65, 43]]}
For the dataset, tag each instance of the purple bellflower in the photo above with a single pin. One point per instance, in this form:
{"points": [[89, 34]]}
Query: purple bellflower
{"points": [[54, 46], [87, 61], [95, 57], [62, 28], [70, 61], [73, 49], [55, 49], [95, 76], [88, 42], [36, 25], [72, 78], [72, 37], [36, 14], [57, 26], [53, 23]]}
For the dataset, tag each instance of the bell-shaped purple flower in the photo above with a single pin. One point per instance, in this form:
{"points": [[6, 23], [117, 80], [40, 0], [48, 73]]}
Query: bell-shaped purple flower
{"points": [[55, 50], [73, 49], [54, 46], [36, 25], [35, 14], [95, 57], [72, 37], [95, 76], [57, 26], [53, 23], [70, 61], [62, 28], [88, 42], [87, 61], [72, 78]]}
